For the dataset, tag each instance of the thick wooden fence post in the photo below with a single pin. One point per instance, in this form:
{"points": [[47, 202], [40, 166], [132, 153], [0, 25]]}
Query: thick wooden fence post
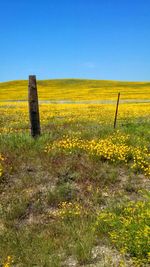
{"points": [[115, 120], [33, 106]]}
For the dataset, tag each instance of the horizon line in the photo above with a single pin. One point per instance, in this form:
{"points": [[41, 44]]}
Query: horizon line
{"points": [[82, 79]]}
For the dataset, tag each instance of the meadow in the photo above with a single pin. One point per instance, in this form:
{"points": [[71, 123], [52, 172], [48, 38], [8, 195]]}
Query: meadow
{"points": [[79, 194], [77, 90]]}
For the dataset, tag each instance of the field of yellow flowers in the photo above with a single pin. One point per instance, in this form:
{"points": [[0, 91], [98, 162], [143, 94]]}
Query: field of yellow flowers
{"points": [[79, 194], [77, 90]]}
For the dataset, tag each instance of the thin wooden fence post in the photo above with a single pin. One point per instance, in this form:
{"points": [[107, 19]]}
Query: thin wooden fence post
{"points": [[116, 114], [33, 107]]}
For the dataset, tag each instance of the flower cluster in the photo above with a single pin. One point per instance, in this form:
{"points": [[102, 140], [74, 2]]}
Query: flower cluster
{"points": [[113, 148], [69, 210], [8, 262]]}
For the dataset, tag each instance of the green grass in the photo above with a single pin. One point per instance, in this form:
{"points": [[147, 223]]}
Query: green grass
{"points": [[127, 225]]}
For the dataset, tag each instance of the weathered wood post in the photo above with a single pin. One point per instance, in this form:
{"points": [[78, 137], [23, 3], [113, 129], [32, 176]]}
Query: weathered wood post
{"points": [[116, 114], [33, 106]]}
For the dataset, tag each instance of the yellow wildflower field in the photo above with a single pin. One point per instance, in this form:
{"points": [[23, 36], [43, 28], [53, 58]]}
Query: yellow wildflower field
{"points": [[16, 113], [76, 90], [15, 119], [82, 183]]}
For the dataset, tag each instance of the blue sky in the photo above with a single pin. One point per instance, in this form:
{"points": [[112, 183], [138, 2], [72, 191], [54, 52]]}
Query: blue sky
{"points": [[95, 39]]}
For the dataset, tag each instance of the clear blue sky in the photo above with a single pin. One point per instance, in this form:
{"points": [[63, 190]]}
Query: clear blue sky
{"points": [[96, 39]]}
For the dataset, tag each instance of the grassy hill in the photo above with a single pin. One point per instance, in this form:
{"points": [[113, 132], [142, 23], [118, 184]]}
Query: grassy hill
{"points": [[76, 89]]}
